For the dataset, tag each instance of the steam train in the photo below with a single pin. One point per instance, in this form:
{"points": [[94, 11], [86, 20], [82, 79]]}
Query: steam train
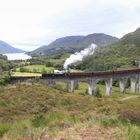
{"points": [[69, 74]]}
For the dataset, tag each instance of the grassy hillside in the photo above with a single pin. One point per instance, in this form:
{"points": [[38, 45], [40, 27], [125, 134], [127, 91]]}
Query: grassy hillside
{"points": [[132, 38], [38, 111], [121, 54]]}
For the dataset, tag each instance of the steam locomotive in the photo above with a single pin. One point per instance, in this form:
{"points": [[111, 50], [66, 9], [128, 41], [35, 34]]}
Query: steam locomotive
{"points": [[69, 74]]}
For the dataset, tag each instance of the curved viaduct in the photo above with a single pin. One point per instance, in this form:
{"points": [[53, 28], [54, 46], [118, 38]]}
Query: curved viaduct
{"points": [[93, 78]]}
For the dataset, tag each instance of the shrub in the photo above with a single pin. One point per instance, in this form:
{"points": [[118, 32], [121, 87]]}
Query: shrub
{"points": [[77, 86], [133, 133], [57, 86], [72, 117], [105, 110], [38, 121], [108, 122], [3, 129], [22, 69], [86, 91], [44, 71], [4, 78], [2, 82], [97, 93], [35, 70], [133, 116]]}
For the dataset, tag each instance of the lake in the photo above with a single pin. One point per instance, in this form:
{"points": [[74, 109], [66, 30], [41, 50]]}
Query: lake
{"points": [[17, 56]]}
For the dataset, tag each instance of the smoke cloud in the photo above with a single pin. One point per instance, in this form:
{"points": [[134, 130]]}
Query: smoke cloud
{"points": [[78, 56]]}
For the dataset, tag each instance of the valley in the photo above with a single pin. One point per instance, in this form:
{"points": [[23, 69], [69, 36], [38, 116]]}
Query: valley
{"points": [[34, 109]]}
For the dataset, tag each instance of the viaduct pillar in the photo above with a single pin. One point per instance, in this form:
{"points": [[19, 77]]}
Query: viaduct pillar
{"points": [[122, 84], [139, 64], [71, 85], [91, 83], [108, 84], [133, 84], [75, 83], [139, 84]]}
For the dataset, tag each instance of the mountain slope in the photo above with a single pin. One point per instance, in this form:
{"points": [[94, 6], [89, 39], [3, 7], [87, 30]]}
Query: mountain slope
{"points": [[74, 43], [59, 45], [6, 48], [119, 55]]}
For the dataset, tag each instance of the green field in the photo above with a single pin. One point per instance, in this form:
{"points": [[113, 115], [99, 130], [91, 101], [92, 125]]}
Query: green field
{"points": [[36, 69], [16, 74], [36, 110]]}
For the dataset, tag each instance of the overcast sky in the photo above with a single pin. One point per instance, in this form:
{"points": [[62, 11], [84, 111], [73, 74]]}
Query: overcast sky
{"points": [[28, 24]]}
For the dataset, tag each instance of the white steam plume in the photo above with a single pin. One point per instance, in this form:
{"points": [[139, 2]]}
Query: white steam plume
{"points": [[78, 56]]}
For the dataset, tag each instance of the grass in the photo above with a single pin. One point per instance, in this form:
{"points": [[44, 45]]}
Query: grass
{"points": [[37, 68], [36, 110], [16, 74], [4, 128], [75, 70], [82, 89]]}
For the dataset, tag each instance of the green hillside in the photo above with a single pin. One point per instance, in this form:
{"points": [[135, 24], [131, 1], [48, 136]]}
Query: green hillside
{"points": [[119, 55], [132, 38], [72, 44]]}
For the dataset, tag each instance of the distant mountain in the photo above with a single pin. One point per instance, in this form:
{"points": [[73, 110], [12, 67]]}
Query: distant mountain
{"points": [[6, 48], [119, 55], [74, 43]]}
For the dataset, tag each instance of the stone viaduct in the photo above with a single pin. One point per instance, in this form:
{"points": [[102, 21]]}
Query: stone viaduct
{"points": [[92, 78], [109, 77]]}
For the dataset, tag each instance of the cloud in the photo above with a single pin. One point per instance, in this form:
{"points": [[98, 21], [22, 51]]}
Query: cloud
{"points": [[34, 23]]}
